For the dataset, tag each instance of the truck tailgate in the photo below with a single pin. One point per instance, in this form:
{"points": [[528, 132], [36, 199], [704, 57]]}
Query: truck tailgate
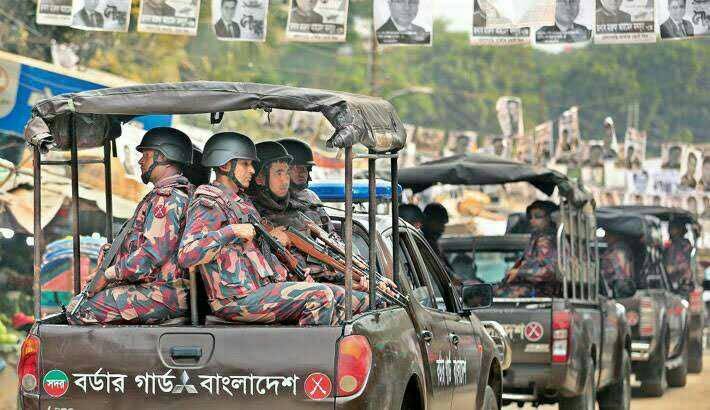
{"points": [[217, 367], [528, 325]]}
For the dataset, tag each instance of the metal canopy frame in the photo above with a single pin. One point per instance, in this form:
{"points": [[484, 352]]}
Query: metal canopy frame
{"points": [[74, 163]]}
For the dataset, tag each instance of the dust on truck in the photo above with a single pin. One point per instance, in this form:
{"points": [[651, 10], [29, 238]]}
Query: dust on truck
{"points": [[570, 347], [429, 350]]}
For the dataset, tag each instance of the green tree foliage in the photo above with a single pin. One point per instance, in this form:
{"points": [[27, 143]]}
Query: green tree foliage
{"points": [[668, 79]]}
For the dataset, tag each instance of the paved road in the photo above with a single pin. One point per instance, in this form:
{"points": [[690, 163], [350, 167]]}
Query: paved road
{"points": [[695, 395]]}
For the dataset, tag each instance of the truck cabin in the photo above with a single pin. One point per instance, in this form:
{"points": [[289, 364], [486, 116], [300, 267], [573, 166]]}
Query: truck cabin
{"points": [[364, 127], [576, 265]]}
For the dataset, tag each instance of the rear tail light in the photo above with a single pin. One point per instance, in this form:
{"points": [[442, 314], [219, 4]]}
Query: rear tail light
{"points": [[560, 336], [354, 362], [28, 366], [647, 320], [696, 300]]}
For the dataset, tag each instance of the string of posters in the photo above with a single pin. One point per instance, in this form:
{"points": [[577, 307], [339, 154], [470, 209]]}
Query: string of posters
{"points": [[401, 22]]}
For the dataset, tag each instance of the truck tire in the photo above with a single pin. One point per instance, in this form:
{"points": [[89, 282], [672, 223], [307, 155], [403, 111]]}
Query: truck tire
{"points": [[618, 395], [695, 356], [657, 384], [490, 402], [588, 398], [678, 377]]}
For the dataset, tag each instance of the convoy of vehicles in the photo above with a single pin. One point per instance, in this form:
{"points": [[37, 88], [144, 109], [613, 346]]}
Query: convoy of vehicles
{"points": [[658, 318], [443, 346], [572, 347], [429, 352]]}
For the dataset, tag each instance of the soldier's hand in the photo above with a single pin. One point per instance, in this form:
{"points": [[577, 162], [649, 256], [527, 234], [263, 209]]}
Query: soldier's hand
{"points": [[309, 278], [362, 285], [280, 234], [245, 232], [512, 274], [100, 284]]}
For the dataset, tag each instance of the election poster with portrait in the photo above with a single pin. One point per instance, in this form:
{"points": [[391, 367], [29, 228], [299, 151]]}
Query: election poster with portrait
{"points": [[317, 21], [568, 138], [430, 143], [510, 116], [543, 143], [573, 23], [671, 155], [683, 19], [277, 119], [634, 149], [240, 20], [403, 22], [169, 16], [629, 21], [101, 15], [54, 12], [461, 142], [486, 29], [690, 169], [704, 183]]}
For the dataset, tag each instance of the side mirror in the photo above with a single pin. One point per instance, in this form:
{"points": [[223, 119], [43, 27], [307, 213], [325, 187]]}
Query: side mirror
{"points": [[706, 284], [477, 296]]}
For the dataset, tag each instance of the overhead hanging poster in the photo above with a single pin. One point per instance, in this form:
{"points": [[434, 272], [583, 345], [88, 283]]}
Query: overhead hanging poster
{"points": [[54, 12], [482, 33], [95, 15], [407, 22], [169, 17], [682, 19], [619, 21], [313, 20], [573, 24], [240, 20]]}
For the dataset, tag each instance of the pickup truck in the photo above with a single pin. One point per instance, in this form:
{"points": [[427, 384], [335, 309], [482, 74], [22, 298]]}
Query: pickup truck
{"points": [[433, 353], [567, 346], [659, 319], [694, 297]]}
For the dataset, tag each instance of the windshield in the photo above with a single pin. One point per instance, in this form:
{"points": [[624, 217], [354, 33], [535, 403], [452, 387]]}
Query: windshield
{"points": [[489, 266]]}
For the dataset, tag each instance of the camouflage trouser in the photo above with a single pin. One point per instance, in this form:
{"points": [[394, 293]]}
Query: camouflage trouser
{"points": [[284, 302], [130, 304], [360, 300]]}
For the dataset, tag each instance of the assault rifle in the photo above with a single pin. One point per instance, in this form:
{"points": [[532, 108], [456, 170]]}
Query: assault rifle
{"points": [[104, 263], [286, 257], [339, 247], [325, 256]]}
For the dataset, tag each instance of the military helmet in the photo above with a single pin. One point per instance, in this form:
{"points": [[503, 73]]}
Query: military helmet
{"points": [[299, 150], [271, 151], [174, 144], [226, 146]]}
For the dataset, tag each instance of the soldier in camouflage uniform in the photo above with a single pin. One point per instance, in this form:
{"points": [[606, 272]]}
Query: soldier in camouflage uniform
{"points": [[300, 195], [271, 194], [244, 282], [535, 274], [145, 284], [616, 265], [677, 257]]}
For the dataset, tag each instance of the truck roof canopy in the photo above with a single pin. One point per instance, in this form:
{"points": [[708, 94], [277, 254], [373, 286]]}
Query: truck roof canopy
{"points": [[661, 212], [479, 169], [97, 114], [623, 223]]}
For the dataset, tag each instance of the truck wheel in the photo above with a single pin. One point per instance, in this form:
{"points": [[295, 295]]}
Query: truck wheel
{"points": [[695, 357], [657, 384], [678, 377], [587, 399], [618, 396], [490, 402]]}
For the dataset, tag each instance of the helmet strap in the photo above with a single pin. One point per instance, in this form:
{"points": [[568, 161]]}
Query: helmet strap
{"points": [[230, 174], [145, 177]]}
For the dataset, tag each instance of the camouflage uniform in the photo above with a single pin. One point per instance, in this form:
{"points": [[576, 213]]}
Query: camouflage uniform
{"points": [[285, 212], [244, 282], [617, 268], [677, 261], [537, 269], [148, 286]]}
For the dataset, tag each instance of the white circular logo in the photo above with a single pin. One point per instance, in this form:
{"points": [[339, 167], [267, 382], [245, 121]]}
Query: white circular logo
{"points": [[533, 331]]}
